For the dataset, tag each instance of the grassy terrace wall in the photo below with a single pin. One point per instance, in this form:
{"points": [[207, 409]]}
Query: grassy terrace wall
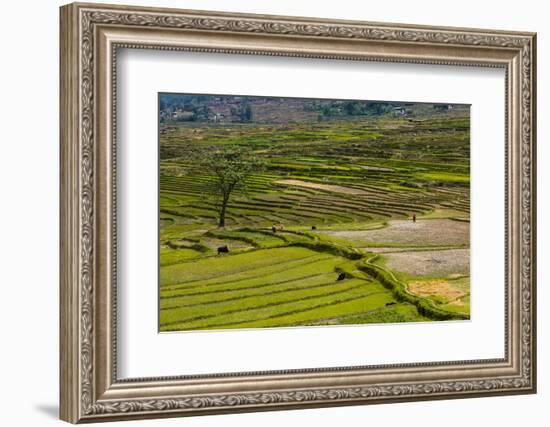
{"points": [[330, 248]]}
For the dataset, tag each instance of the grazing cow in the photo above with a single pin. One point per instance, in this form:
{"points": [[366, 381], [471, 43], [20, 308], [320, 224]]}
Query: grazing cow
{"points": [[223, 250], [273, 228], [313, 227], [390, 303], [341, 277], [281, 227]]}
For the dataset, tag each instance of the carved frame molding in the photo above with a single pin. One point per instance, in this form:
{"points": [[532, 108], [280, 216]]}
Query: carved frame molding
{"points": [[90, 36]]}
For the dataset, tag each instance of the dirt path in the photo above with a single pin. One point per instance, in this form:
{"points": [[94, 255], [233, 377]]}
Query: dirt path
{"points": [[441, 232], [324, 187], [422, 263]]}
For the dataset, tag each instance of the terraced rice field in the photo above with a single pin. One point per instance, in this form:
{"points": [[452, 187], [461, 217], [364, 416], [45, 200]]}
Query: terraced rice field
{"points": [[301, 289], [341, 194]]}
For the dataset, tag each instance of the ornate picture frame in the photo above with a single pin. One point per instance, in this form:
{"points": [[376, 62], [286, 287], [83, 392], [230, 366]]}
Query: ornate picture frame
{"points": [[90, 37]]}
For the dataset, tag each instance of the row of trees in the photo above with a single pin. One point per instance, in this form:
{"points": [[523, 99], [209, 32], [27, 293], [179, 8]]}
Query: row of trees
{"points": [[337, 108]]}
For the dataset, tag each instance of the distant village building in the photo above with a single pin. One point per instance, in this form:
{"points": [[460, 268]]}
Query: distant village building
{"points": [[399, 111], [443, 107], [181, 115], [217, 117]]}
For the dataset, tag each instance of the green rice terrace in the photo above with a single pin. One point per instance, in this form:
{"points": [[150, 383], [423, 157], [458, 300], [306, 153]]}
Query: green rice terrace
{"points": [[340, 215]]}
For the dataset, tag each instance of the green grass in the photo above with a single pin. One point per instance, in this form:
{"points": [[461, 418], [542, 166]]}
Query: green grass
{"points": [[445, 177], [293, 281], [292, 269], [357, 299], [252, 288], [388, 314], [464, 307], [222, 266], [259, 238], [175, 256], [247, 306]]}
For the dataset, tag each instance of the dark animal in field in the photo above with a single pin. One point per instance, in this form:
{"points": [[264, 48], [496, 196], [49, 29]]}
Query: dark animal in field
{"points": [[313, 227], [223, 250], [390, 303], [274, 229], [341, 277]]}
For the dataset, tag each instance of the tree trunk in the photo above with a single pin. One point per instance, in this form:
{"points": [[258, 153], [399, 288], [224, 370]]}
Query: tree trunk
{"points": [[222, 211]]}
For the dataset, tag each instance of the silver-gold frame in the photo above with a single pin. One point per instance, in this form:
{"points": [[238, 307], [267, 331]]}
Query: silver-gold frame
{"points": [[90, 37]]}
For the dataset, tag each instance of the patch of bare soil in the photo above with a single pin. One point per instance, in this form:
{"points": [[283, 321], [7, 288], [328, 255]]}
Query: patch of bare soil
{"points": [[436, 287], [325, 187], [213, 243], [390, 249], [444, 262], [380, 250], [439, 232], [376, 168]]}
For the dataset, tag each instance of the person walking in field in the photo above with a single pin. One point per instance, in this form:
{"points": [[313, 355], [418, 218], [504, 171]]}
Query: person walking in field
{"points": [[414, 217]]}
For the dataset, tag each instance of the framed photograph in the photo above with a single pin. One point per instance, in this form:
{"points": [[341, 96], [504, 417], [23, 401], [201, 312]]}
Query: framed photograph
{"points": [[266, 212]]}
